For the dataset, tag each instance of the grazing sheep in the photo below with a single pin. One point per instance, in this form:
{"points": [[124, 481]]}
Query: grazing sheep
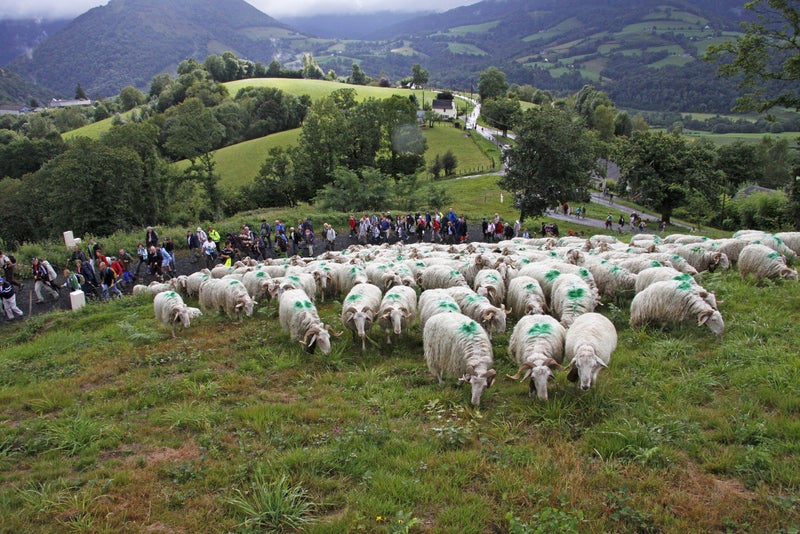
{"points": [[537, 345], [221, 270], [440, 276], [572, 297], [650, 276], [256, 282], [229, 296], [154, 288], [298, 315], [702, 259], [588, 346], [457, 346], [612, 280], [791, 240], [675, 301], [763, 238], [194, 280], [640, 262], [525, 296], [490, 284], [398, 310], [763, 262], [478, 307], [433, 302], [359, 310], [170, 308], [350, 276], [304, 281]]}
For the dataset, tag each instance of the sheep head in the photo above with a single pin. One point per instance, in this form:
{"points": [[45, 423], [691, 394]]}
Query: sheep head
{"points": [[479, 382], [585, 367], [181, 314], [713, 320]]}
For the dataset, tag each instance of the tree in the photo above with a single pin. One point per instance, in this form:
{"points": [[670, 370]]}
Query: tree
{"points": [[492, 84], [311, 71], [419, 76], [767, 56], [662, 170], [357, 76], [551, 161], [80, 94], [366, 190], [502, 113], [130, 97], [449, 163]]}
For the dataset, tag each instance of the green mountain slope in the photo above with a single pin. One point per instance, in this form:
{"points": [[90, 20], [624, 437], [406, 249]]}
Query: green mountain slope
{"points": [[127, 42]]}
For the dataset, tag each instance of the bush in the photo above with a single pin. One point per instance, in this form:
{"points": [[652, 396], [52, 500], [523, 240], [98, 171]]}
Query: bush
{"points": [[763, 211]]}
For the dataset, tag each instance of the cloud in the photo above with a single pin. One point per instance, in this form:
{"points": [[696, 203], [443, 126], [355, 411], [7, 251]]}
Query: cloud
{"points": [[60, 9]]}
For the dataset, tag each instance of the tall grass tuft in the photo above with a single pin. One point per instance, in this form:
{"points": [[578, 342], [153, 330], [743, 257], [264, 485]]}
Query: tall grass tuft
{"points": [[273, 506]]}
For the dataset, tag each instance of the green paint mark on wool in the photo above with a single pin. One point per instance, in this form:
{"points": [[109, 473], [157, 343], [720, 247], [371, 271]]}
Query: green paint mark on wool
{"points": [[655, 263], [293, 278], [475, 298], [470, 328], [393, 296], [444, 305], [684, 277], [170, 294], [685, 286], [540, 329], [552, 275], [773, 255], [493, 277], [529, 287], [616, 269], [260, 274], [233, 283], [300, 304], [455, 273], [584, 273], [353, 298], [576, 293]]}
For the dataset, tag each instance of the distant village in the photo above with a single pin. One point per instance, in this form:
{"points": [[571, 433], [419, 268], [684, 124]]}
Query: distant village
{"points": [[11, 109]]}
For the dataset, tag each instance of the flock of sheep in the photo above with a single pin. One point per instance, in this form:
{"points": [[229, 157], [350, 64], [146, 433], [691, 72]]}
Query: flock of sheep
{"points": [[461, 295]]}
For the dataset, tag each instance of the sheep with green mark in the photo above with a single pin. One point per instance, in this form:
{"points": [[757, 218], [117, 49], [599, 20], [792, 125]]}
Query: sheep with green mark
{"points": [[672, 302], [537, 345]]}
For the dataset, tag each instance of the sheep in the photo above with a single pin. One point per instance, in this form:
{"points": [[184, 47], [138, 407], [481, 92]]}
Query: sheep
{"points": [[612, 280], [153, 289], [478, 307], [763, 262], [702, 259], [490, 284], [298, 315], [304, 281], [525, 296], [674, 301], [194, 280], [221, 270], [350, 276], [397, 311], [433, 302], [791, 240], [457, 346], [659, 274], [359, 309], [639, 263], [256, 282], [326, 276], [588, 345], [169, 308], [571, 297], [763, 238], [227, 295], [440, 276], [537, 345]]}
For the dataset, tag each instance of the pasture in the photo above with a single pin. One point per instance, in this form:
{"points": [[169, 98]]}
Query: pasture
{"points": [[109, 425]]}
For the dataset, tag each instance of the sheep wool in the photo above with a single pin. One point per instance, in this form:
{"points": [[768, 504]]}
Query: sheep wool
{"points": [[675, 301]]}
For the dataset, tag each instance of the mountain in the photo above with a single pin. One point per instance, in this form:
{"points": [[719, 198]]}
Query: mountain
{"points": [[127, 42], [14, 89], [22, 36], [349, 26]]}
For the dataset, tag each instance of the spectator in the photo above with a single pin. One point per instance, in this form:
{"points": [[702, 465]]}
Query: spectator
{"points": [[169, 248], [72, 281], [266, 233], [89, 285], [9, 299], [279, 229], [330, 237], [42, 281], [308, 241], [352, 222], [202, 237], [295, 238], [281, 241], [125, 258], [141, 253], [108, 282], [194, 246], [151, 237], [213, 234], [210, 252], [155, 261], [226, 254], [8, 262]]}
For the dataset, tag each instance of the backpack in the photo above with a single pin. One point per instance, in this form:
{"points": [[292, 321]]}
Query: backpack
{"points": [[51, 273]]}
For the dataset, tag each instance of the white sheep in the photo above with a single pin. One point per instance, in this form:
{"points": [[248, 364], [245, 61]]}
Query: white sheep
{"points": [[153, 288], [350, 276], [612, 280], [525, 296], [703, 259], [221, 270], [675, 301], [571, 298], [490, 284], [435, 301], [440, 276], [457, 346], [588, 346], [791, 240], [229, 296], [650, 276], [292, 280], [763, 262], [194, 280], [256, 282], [397, 311], [169, 309], [298, 315], [537, 345], [478, 307], [359, 309]]}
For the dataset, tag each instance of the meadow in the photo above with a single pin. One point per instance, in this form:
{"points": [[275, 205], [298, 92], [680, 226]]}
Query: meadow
{"points": [[109, 425]]}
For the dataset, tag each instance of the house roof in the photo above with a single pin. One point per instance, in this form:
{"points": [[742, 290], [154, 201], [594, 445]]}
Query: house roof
{"points": [[442, 104]]}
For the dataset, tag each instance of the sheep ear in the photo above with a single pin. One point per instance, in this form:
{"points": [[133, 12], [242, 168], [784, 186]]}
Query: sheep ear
{"points": [[704, 317], [490, 374], [176, 317], [572, 376], [466, 378], [600, 362]]}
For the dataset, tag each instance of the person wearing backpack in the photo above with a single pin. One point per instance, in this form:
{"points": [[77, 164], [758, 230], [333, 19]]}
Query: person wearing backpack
{"points": [[8, 262], [73, 281], [9, 300], [41, 280], [108, 281]]}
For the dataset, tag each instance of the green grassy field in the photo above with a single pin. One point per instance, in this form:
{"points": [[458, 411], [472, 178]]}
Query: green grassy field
{"points": [[465, 49], [109, 425], [316, 89], [93, 130], [725, 139]]}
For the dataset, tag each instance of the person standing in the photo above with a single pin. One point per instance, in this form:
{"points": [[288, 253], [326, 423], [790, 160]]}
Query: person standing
{"points": [[8, 262], [169, 247], [330, 237], [151, 237], [155, 260], [141, 253], [42, 281], [108, 281], [213, 234], [210, 252], [9, 299], [194, 246], [89, 285], [266, 233], [202, 236]]}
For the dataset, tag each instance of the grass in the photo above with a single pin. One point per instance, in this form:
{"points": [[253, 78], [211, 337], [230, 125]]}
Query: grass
{"points": [[233, 428]]}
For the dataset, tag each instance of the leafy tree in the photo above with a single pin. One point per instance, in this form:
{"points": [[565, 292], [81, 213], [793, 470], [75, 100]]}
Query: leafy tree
{"points": [[80, 94], [430, 117], [551, 161], [435, 167], [311, 71], [663, 170], [763, 211], [273, 69], [449, 163], [639, 123], [22, 155], [366, 190], [776, 162], [275, 185], [357, 76], [492, 84], [419, 76], [623, 125], [130, 97], [502, 113], [767, 56]]}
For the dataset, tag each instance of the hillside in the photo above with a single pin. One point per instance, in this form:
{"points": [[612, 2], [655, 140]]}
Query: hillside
{"points": [[21, 36], [127, 42], [17, 90]]}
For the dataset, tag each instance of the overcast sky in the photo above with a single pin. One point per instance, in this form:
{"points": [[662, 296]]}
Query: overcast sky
{"points": [[55, 9]]}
